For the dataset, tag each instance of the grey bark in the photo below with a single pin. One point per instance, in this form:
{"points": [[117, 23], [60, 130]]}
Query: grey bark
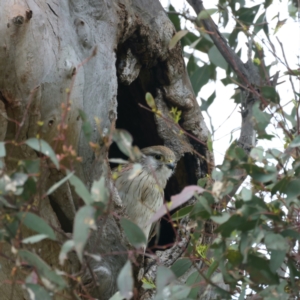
{"points": [[99, 54]]}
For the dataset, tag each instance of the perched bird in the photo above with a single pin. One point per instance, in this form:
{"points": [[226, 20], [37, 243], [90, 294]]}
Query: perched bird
{"points": [[142, 190]]}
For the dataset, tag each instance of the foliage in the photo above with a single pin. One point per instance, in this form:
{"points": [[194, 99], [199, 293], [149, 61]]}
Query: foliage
{"points": [[256, 237], [255, 245]]}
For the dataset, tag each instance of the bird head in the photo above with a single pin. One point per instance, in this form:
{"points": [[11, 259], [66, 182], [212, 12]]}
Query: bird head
{"points": [[159, 161]]}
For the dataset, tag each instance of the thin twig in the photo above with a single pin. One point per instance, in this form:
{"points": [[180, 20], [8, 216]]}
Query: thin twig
{"points": [[292, 84], [189, 18]]}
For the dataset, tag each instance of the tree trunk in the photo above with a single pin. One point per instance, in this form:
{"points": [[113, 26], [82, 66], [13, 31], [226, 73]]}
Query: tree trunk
{"points": [[100, 57]]}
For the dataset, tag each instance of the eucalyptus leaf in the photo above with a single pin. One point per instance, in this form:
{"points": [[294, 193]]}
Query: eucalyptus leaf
{"points": [[193, 281], [205, 14], [181, 266], [44, 147], [59, 183], [164, 277], [55, 281], [36, 224], [200, 78], [221, 219], [34, 239], [66, 247], [176, 38], [276, 241], [217, 58], [80, 189], [295, 142], [117, 296], [84, 221], [37, 292], [125, 281], [134, 233], [99, 191], [2, 149], [277, 258]]}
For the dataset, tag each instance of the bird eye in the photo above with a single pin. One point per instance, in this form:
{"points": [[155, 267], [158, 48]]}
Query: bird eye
{"points": [[158, 156]]}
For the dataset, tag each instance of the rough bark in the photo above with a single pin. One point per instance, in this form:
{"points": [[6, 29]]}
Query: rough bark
{"points": [[103, 56]]}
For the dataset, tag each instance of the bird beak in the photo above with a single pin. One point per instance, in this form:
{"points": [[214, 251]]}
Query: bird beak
{"points": [[171, 166]]}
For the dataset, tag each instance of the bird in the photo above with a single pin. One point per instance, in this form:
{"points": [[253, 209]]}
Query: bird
{"points": [[142, 189]]}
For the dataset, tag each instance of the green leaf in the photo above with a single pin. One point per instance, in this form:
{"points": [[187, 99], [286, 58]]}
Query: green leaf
{"points": [[181, 266], [125, 281], [291, 233], [257, 153], [183, 212], [36, 224], [176, 292], [204, 44], [276, 241], [261, 119], [280, 186], [246, 194], [44, 271], [292, 189], [217, 58], [295, 142], [193, 281], [202, 182], [205, 104], [164, 277], [37, 292], [192, 65], [205, 14], [4, 202], [212, 268], [270, 94], [148, 285], [117, 296], [221, 219], [84, 220], [234, 257], [268, 173], [2, 149], [134, 233], [174, 18], [34, 239], [44, 147], [176, 38], [292, 9], [217, 175], [232, 224], [259, 24], [233, 40], [268, 3], [59, 183], [123, 139], [151, 103], [99, 191], [277, 258], [80, 189], [209, 144], [260, 271], [66, 247], [86, 125], [199, 78], [31, 166], [247, 14]]}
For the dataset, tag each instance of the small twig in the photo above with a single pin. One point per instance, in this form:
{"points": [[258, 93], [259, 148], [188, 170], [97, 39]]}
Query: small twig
{"points": [[189, 18], [292, 84]]}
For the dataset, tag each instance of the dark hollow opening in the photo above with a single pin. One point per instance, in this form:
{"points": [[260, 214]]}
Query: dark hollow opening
{"points": [[141, 125]]}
